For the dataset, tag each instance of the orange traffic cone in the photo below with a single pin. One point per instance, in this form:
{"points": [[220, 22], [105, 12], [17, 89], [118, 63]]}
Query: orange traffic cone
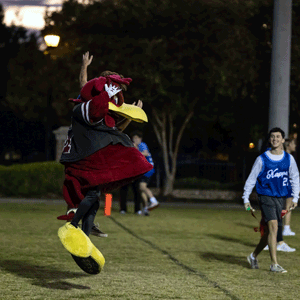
{"points": [[107, 205]]}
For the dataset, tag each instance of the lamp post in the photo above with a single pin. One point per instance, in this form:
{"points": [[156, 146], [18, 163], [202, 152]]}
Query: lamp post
{"points": [[51, 41], [280, 66]]}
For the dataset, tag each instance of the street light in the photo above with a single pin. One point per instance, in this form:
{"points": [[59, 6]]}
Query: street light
{"points": [[51, 41]]}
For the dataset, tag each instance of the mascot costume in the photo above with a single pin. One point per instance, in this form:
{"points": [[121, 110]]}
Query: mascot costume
{"points": [[98, 157]]}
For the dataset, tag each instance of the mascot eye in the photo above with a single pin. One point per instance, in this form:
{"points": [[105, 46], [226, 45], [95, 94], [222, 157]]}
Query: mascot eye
{"points": [[116, 99]]}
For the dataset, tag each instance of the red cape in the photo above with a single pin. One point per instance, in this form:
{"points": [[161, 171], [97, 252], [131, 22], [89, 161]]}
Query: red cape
{"points": [[109, 168]]}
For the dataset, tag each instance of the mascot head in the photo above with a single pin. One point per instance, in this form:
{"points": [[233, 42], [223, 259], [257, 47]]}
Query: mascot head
{"points": [[114, 84]]}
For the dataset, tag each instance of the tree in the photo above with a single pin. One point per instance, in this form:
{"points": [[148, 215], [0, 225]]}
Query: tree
{"points": [[190, 61]]}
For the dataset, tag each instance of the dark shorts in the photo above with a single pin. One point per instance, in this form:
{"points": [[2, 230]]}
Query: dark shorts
{"points": [[271, 208], [145, 179], [147, 176]]}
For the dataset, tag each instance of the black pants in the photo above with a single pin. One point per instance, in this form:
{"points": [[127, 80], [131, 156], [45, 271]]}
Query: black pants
{"points": [[136, 194], [87, 210]]}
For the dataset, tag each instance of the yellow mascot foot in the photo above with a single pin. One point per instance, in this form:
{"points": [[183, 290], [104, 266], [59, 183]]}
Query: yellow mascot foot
{"points": [[92, 264], [75, 240], [98, 257]]}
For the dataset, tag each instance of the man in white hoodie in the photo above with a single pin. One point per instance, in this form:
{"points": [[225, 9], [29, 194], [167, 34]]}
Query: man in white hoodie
{"points": [[272, 173]]}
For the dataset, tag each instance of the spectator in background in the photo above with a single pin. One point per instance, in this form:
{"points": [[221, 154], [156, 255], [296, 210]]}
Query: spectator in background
{"points": [[146, 193], [290, 147], [136, 197]]}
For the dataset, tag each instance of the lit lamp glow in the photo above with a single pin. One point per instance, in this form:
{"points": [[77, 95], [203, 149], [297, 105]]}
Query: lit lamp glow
{"points": [[251, 145], [52, 40]]}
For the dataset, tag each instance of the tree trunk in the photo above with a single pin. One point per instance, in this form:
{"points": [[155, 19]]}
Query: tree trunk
{"points": [[168, 185], [161, 123]]}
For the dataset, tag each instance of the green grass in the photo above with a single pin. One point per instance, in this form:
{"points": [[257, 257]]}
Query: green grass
{"points": [[176, 253]]}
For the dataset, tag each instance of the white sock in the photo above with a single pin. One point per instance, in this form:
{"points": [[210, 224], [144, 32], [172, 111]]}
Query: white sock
{"points": [[251, 255], [153, 199], [286, 226]]}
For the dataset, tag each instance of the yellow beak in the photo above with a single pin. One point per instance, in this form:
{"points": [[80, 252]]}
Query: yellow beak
{"points": [[129, 111]]}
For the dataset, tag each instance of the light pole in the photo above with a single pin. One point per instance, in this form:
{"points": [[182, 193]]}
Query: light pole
{"points": [[51, 41], [280, 66]]}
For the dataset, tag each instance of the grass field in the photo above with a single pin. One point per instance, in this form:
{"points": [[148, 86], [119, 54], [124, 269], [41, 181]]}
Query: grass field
{"points": [[176, 253]]}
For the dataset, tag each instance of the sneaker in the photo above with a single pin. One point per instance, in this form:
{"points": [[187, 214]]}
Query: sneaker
{"points": [[266, 248], [277, 269], [288, 232], [122, 212], [97, 232], [285, 248], [153, 205], [139, 213], [146, 212], [253, 262]]}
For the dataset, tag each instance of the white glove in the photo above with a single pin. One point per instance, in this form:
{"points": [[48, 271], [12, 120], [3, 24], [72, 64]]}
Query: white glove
{"points": [[112, 90]]}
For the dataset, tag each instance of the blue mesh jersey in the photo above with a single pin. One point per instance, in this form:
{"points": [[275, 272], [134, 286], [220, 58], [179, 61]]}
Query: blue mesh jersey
{"points": [[142, 147], [273, 180], [289, 195]]}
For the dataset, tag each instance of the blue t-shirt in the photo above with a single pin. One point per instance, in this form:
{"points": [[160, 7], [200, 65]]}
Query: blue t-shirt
{"points": [[142, 147], [273, 180]]}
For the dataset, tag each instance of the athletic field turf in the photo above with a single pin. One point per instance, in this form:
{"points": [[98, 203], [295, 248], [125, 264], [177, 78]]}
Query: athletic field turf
{"points": [[176, 253]]}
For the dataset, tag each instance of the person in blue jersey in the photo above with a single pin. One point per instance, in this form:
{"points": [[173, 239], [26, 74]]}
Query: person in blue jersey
{"points": [[146, 194], [289, 147], [272, 173]]}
